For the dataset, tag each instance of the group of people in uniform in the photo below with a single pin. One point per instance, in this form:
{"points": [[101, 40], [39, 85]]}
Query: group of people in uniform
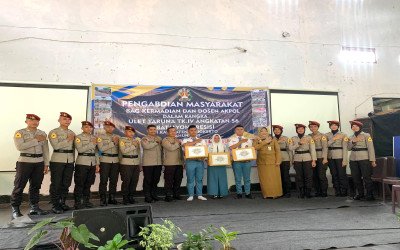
{"points": [[112, 156]]}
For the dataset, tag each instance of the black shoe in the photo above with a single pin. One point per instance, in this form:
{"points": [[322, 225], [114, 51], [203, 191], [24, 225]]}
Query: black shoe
{"points": [[343, 193], [35, 210], [370, 198], [249, 196], [238, 196], [103, 200], [155, 198], [57, 209], [125, 200], [177, 197], [301, 194], [148, 200], [337, 193], [324, 195], [78, 203], [112, 200], [87, 203], [307, 193], [16, 212], [287, 195], [168, 198], [131, 200], [358, 197], [64, 206], [214, 197], [220, 197], [318, 195]]}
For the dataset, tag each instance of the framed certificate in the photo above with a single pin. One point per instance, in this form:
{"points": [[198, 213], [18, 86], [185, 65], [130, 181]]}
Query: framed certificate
{"points": [[244, 154], [219, 159], [192, 152]]}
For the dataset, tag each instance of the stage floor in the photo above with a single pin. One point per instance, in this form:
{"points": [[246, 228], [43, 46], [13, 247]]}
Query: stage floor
{"points": [[317, 223]]}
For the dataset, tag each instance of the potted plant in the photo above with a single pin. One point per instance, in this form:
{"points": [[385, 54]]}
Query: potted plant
{"points": [[159, 236], [199, 241], [225, 238]]}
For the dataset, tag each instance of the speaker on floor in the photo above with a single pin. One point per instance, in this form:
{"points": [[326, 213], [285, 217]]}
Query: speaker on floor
{"points": [[107, 222]]}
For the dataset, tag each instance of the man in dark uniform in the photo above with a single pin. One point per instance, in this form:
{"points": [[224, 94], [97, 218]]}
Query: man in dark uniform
{"points": [[61, 163], [319, 172], [109, 164], [304, 159], [31, 166], [362, 160], [87, 164]]}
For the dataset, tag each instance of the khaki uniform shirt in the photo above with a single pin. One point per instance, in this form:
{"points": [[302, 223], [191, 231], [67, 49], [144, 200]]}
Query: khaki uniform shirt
{"points": [[25, 142], [152, 151], [85, 145], [109, 149], [321, 145], [341, 144], [363, 149], [129, 149], [172, 152], [58, 140], [286, 153], [308, 146]]}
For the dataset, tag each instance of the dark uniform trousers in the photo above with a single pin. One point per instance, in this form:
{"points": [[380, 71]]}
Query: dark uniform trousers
{"points": [[319, 177], [362, 169], [130, 177], [173, 179], [84, 178], [108, 172], [339, 175], [32, 172], [152, 176], [61, 178], [303, 174], [285, 176]]}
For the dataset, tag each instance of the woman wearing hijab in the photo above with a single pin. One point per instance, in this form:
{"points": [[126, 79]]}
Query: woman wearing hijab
{"points": [[217, 184], [268, 164]]}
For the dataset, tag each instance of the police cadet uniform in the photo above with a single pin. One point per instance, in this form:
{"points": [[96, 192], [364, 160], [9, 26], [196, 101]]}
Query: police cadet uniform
{"points": [[61, 165], [304, 154], [109, 166], [319, 172], [152, 166], [362, 155], [286, 156], [242, 169], [34, 156], [85, 167], [129, 166], [338, 159], [173, 167]]}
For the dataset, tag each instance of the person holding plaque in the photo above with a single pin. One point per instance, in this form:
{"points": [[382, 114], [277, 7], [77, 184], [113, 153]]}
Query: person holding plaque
{"points": [[217, 181], [194, 167], [241, 169], [268, 164]]}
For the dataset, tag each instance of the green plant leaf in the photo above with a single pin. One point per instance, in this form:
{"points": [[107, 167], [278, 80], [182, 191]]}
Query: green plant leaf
{"points": [[35, 239], [64, 223], [41, 224], [117, 238]]}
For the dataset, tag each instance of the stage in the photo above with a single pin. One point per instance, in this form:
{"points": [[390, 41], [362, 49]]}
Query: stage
{"points": [[317, 223]]}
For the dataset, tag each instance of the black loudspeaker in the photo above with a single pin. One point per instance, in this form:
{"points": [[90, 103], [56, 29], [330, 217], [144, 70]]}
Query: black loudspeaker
{"points": [[107, 222]]}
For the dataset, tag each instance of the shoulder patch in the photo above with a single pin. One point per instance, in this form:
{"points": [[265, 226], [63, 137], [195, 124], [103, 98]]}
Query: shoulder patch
{"points": [[289, 140], [99, 139], [370, 139], [311, 141], [53, 135], [346, 139], [121, 143], [77, 140], [323, 138], [18, 135]]}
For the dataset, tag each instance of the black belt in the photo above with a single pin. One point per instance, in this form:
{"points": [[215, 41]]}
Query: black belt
{"points": [[86, 154], [283, 149], [130, 156], [302, 152], [109, 155], [359, 149], [31, 155], [333, 148], [63, 151], [318, 149]]}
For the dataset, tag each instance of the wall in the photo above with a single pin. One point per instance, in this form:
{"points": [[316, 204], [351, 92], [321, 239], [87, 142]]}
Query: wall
{"points": [[181, 42]]}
